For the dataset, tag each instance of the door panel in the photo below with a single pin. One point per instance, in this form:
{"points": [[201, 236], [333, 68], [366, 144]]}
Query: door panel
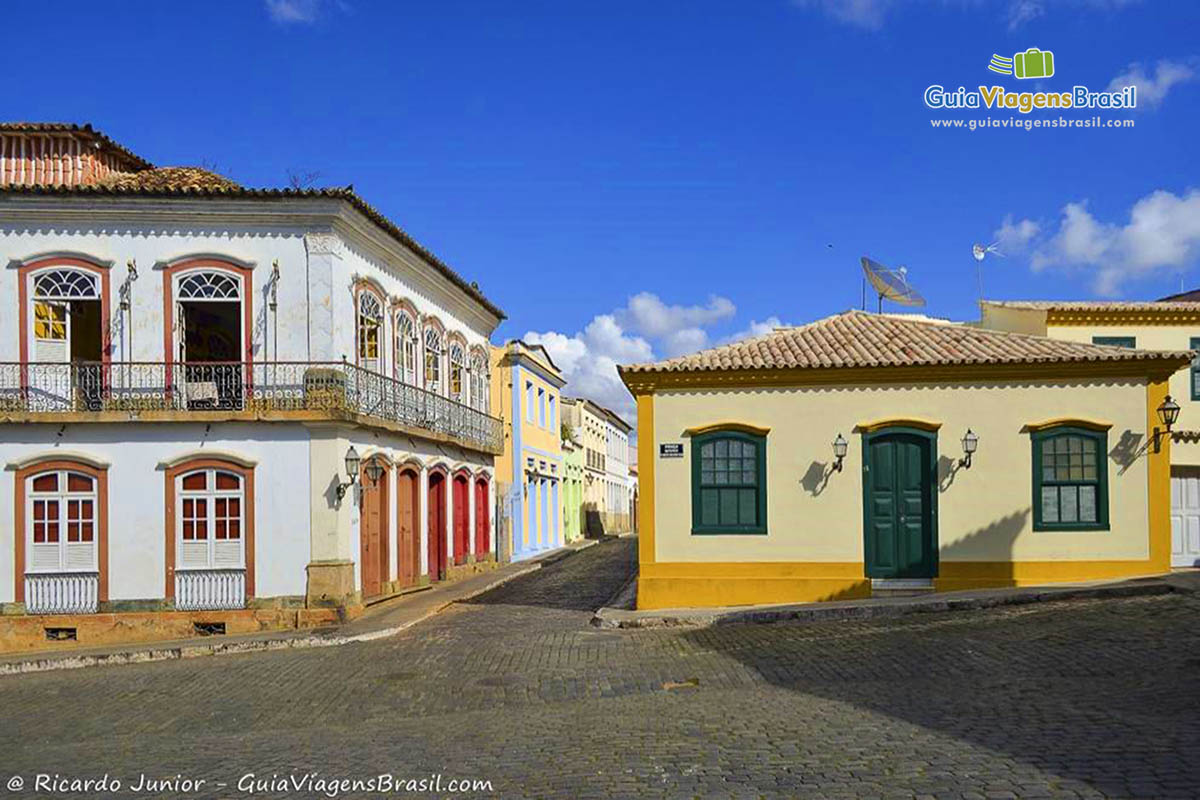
{"points": [[1185, 517], [370, 535], [437, 527], [407, 541], [899, 525], [461, 520]]}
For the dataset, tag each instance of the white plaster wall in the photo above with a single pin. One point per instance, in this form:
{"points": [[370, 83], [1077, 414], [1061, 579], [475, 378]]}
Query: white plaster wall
{"points": [[136, 489]]}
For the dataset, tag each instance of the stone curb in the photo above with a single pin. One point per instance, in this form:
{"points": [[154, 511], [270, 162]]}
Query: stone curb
{"points": [[148, 654], [873, 609]]}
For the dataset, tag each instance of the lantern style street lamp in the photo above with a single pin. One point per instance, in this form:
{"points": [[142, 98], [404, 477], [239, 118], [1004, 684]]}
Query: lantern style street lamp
{"points": [[374, 471], [840, 446], [352, 464], [970, 443], [1167, 412]]}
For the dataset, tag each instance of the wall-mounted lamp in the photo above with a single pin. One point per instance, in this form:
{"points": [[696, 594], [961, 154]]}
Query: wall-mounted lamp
{"points": [[840, 446], [1168, 412], [970, 443], [374, 471], [352, 464], [274, 302]]}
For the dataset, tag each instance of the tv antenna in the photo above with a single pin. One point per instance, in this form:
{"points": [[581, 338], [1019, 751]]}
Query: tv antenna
{"points": [[979, 253], [889, 283]]}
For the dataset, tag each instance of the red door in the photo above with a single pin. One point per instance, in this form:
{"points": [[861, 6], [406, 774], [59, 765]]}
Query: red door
{"points": [[408, 543], [462, 520], [437, 526], [372, 538], [482, 544]]}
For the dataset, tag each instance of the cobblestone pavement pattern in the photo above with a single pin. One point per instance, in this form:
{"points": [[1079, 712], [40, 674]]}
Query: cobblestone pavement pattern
{"points": [[1079, 699]]}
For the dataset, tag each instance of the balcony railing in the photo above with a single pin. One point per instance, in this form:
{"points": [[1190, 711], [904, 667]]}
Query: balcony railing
{"points": [[335, 387]]}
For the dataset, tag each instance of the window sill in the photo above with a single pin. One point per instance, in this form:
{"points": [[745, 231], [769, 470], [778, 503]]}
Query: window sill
{"points": [[729, 532], [1044, 528]]}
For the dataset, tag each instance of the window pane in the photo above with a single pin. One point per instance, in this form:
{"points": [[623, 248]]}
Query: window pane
{"points": [[749, 478], [72, 531], [721, 478], [39, 532], [88, 532], [729, 506], [1075, 444], [1068, 504], [706, 478], [78, 483], [197, 481], [227, 481], [709, 514], [1049, 504], [707, 450], [722, 447], [189, 529], [721, 464], [1087, 504], [46, 483], [220, 526], [235, 507], [748, 515]]}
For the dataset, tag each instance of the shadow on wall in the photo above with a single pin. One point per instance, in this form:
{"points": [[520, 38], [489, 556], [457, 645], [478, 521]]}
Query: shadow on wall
{"points": [[817, 477], [1127, 450]]}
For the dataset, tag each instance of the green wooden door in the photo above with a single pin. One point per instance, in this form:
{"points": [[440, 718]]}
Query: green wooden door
{"points": [[899, 505]]}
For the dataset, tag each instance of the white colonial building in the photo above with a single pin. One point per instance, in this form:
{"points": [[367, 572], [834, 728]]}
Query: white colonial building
{"points": [[192, 368]]}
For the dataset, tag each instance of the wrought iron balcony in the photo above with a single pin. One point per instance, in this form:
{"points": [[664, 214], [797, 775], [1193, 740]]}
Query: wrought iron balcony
{"points": [[241, 390]]}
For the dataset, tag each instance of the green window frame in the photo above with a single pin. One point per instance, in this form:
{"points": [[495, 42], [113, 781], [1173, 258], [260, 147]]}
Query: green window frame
{"points": [[1194, 373], [1070, 479], [729, 483], [1116, 341]]}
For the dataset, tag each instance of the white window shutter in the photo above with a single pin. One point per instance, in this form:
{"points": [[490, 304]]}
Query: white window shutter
{"points": [[227, 554], [47, 351], [193, 555], [44, 557], [80, 556]]}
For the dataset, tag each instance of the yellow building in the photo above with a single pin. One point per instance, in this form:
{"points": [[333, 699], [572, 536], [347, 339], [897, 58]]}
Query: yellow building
{"points": [[869, 453], [1159, 325], [525, 394]]}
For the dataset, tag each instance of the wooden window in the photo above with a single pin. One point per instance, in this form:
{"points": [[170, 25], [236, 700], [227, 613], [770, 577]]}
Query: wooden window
{"points": [[1070, 479], [1194, 345], [406, 349], [211, 518], [433, 360], [729, 483], [62, 518], [479, 383], [370, 323], [49, 321], [1116, 341], [457, 365]]}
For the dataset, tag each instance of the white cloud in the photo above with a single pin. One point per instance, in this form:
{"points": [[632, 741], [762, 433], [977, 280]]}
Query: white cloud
{"points": [[1022, 11], [1015, 237], [863, 13], [648, 315], [1152, 89], [1162, 235], [755, 328], [290, 11]]}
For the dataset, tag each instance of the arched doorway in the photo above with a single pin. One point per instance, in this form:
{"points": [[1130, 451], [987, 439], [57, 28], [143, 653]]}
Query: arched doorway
{"points": [[373, 532], [483, 527], [462, 519], [437, 526], [408, 540]]}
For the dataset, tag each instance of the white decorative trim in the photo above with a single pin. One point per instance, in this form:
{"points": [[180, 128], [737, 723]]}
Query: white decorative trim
{"points": [[323, 244], [99, 263], [167, 263], [56, 455], [221, 455]]}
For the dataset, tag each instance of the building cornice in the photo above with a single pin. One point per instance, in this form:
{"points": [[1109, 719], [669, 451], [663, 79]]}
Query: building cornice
{"points": [[1122, 317]]}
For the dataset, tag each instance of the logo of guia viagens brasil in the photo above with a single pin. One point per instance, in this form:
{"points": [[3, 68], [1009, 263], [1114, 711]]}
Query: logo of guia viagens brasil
{"points": [[1026, 65]]}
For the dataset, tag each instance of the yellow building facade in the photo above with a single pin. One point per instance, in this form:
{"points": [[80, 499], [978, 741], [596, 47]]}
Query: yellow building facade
{"points": [[526, 387], [745, 499], [1158, 325]]}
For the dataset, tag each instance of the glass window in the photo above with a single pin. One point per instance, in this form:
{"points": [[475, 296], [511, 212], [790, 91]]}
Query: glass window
{"points": [[479, 383], [211, 518], [1194, 345], [1116, 341], [406, 349], [61, 522], [433, 360], [457, 365], [370, 322], [1070, 479], [729, 493]]}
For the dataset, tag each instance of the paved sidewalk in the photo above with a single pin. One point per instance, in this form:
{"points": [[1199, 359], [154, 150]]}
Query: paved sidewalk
{"points": [[378, 621], [624, 616]]}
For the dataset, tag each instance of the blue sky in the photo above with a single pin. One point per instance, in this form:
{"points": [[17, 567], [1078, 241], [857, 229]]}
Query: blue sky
{"points": [[636, 179]]}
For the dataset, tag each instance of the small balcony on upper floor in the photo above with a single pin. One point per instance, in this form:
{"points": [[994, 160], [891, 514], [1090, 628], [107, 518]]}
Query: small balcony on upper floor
{"points": [[269, 391]]}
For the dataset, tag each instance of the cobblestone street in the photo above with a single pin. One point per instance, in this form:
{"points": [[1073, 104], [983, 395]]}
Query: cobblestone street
{"points": [[1080, 699]]}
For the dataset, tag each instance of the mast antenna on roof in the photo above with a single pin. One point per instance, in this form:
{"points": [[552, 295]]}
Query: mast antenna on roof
{"points": [[979, 252], [891, 284]]}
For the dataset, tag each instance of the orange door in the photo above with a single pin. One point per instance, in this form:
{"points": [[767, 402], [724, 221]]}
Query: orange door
{"points": [[462, 520], [408, 543], [437, 526], [373, 541]]}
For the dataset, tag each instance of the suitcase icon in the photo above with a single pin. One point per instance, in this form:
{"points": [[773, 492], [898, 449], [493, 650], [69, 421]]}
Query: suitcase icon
{"points": [[1034, 63]]}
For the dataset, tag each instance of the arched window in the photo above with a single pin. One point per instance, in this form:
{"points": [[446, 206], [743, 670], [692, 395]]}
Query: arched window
{"points": [[480, 385], [61, 522], [58, 296], [729, 486], [210, 520], [433, 360], [206, 285], [457, 365], [370, 323], [406, 348]]}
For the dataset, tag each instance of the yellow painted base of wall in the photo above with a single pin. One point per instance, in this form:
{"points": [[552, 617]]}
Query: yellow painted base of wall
{"points": [[711, 585], [22, 633]]}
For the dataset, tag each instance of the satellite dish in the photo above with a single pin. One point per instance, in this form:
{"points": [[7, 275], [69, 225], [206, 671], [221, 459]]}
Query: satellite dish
{"points": [[891, 284], [980, 250]]}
